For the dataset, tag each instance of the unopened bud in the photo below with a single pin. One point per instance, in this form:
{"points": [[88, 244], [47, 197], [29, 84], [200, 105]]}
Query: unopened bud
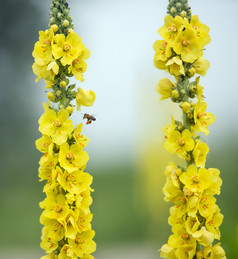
{"points": [[180, 128], [178, 5], [54, 28], [173, 10], [65, 23], [59, 15], [186, 107], [175, 94], [188, 157], [70, 109], [191, 71], [51, 96], [58, 93], [63, 84], [183, 13], [183, 91]]}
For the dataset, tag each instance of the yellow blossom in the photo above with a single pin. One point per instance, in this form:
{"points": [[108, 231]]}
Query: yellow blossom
{"points": [[67, 48], [55, 125], [186, 107], [167, 251], [179, 143], [188, 46], [172, 27], [215, 252], [202, 119], [199, 153], [216, 182], [207, 205], [79, 137], [164, 88], [85, 98], [201, 66], [213, 222], [175, 65], [67, 252], [83, 243], [47, 243], [72, 158], [204, 237], [43, 143]]}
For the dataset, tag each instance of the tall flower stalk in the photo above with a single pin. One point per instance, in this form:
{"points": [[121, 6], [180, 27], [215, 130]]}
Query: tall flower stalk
{"points": [[195, 217], [59, 55]]}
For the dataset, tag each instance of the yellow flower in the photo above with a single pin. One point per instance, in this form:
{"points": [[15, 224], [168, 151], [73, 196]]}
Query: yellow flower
{"points": [[79, 137], [204, 237], [75, 182], [70, 225], [43, 72], [192, 224], [201, 30], [55, 208], [67, 48], [162, 53], [180, 205], [201, 66], [85, 98], [55, 125], [175, 65], [43, 143], [188, 46], [54, 228], [78, 66], [179, 143], [195, 179], [216, 182], [169, 129], [42, 49], [172, 27], [207, 205], [83, 243], [215, 252], [213, 222], [167, 251], [175, 221], [199, 153], [47, 243], [164, 88], [50, 256], [72, 158], [202, 119], [52, 181], [67, 252]]}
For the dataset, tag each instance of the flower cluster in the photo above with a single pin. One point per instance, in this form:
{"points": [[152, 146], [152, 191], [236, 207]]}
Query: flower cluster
{"points": [[195, 217], [60, 54]]}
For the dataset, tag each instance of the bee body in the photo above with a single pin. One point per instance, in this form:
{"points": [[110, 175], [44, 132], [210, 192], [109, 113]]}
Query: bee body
{"points": [[89, 118]]}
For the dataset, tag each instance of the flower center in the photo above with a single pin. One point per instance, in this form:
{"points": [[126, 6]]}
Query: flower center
{"points": [[195, 179], [201, 114], [46, 41], [181, 200], [70, 156], [186, 42], [164, 45], [76, 61], [211, 222], [67, 47], [57, 123], [172, 28], [181, 142], [58, 209], [185, 236]]}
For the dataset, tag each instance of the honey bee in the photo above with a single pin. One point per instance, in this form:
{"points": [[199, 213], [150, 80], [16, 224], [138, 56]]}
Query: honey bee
{"points": [[89, 118]]}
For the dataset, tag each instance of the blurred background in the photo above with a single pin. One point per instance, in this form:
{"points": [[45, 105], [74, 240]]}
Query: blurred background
{"points": [[126, 156]]}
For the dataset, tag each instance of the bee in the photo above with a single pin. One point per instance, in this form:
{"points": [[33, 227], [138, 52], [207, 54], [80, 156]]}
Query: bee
{"points": [[89, 118]]}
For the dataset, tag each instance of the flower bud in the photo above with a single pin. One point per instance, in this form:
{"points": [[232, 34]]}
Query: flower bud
{"points": [[164, 88], [173, 10], [70, 109], [183, 13], [178, 5], [199, 255], [54, 28], [191, 72], [175, 94], [186, 107], [65, 23], [58, 93], [51, 96], [59, 15], [183, 91], [63, 84], [66, 12]]}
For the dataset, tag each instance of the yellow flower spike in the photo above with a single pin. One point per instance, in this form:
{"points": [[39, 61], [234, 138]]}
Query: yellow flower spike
{"points": [[72, 158], [55, 125], [175, 65], [204, 237], [85, 98], [186, 107], [164, 88], [200, 153]]}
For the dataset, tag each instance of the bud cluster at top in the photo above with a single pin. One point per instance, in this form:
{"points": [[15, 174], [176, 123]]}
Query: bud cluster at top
{"points": [[179, 7]]}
